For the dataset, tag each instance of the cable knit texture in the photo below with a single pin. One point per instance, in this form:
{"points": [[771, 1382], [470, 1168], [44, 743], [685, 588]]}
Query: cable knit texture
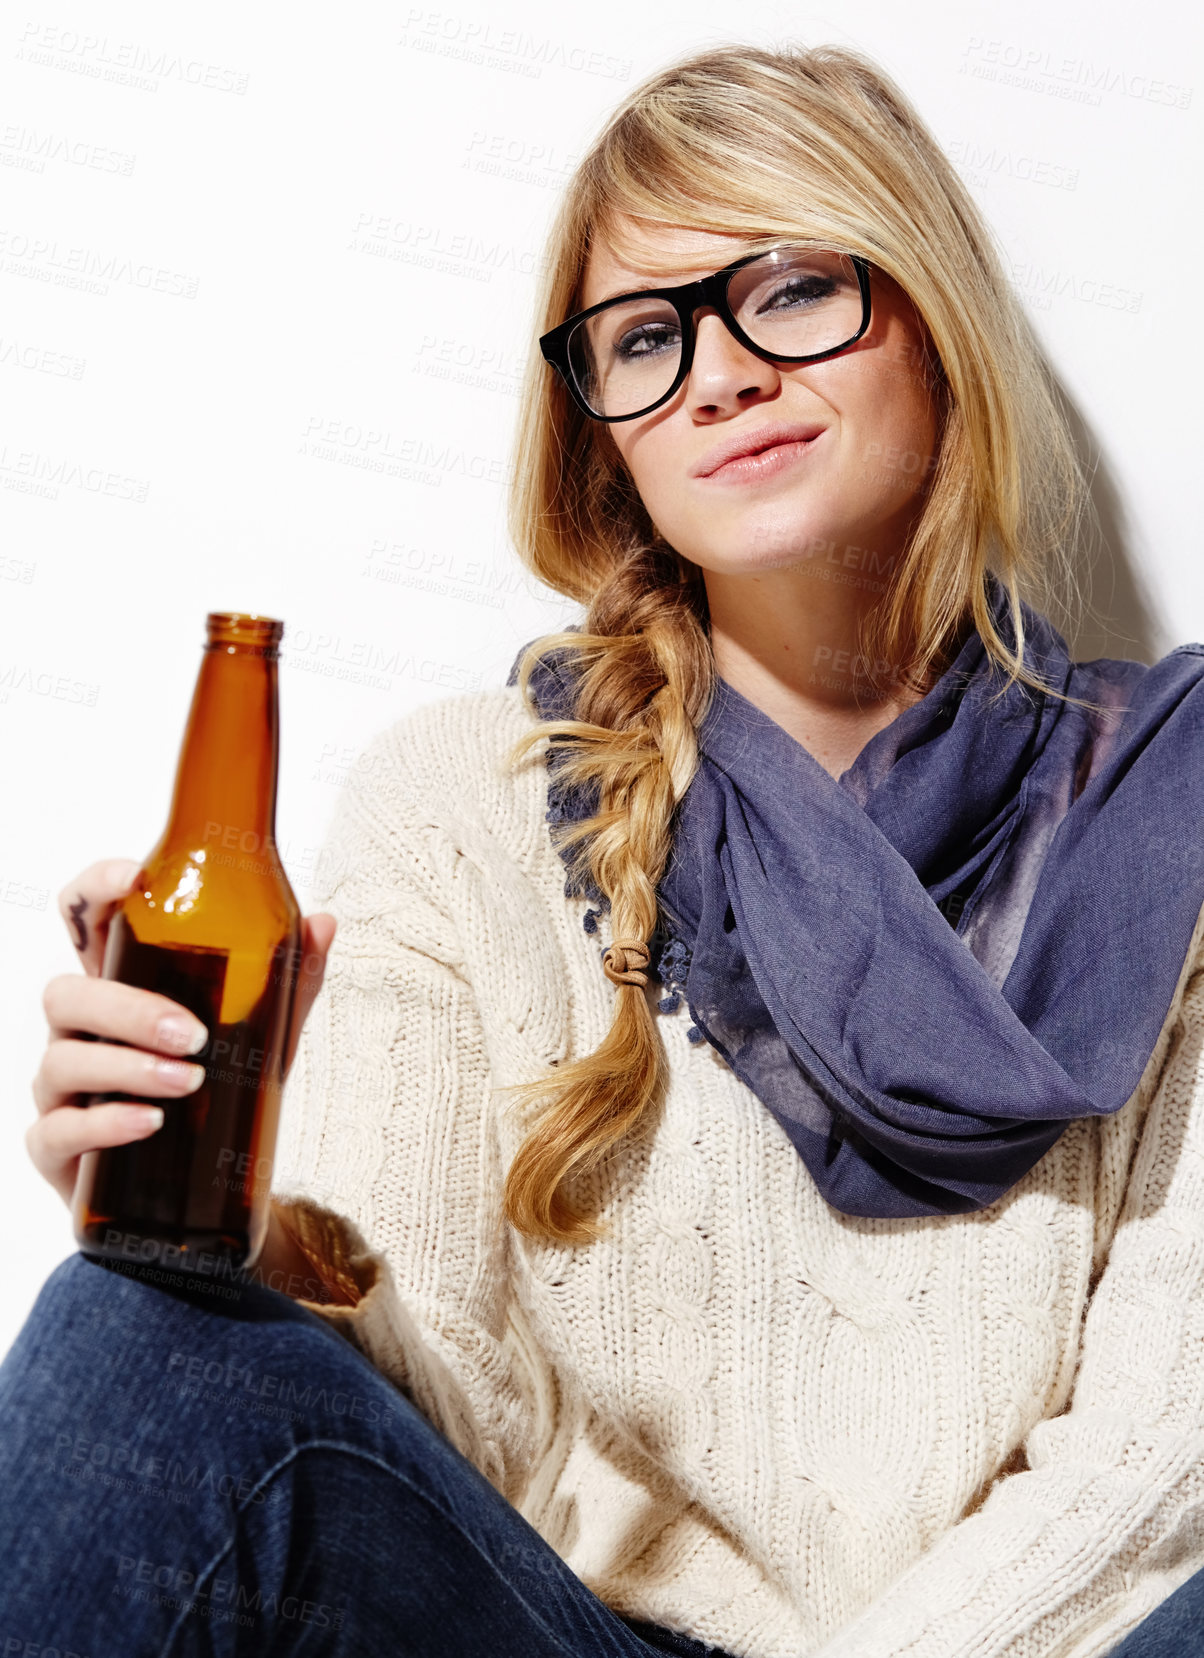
{"points": [[787, 1431]]}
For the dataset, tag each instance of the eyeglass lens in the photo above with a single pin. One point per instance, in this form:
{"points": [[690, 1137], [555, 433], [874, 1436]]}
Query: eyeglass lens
{"points": [[794, 302]]}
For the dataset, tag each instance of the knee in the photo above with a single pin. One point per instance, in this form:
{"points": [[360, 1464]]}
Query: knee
{"points": [[103, 1348], [113, 1318]]}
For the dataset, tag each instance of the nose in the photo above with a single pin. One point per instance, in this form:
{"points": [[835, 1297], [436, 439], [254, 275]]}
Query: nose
{"points": [[724, 375]]}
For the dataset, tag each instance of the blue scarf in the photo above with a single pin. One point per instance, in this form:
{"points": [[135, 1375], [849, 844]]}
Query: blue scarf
{"points": [[927, 968]]}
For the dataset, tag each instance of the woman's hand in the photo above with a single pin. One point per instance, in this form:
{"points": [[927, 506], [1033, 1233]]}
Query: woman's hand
{"points": [[160, 1033]]}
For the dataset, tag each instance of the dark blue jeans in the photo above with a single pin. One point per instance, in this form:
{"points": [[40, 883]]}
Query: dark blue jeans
{"points": [[191, 1469], [185, 1472]]}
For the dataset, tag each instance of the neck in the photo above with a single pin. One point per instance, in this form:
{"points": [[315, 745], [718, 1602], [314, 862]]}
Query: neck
{"points": [[225, 789], [788, 641]]}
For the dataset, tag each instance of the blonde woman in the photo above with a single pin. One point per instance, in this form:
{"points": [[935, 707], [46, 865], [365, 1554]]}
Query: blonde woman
{"points": [[752, 1140]]}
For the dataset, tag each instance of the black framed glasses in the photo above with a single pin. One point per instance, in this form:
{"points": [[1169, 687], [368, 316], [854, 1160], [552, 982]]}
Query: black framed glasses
{"points": [[628, 355]]}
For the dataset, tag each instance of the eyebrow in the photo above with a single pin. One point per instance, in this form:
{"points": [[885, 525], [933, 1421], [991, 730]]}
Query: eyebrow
{"points": [[627, 289], [652, 283]]}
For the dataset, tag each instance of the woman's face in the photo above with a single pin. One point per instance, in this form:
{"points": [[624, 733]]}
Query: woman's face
{"points": [[850, 494]]}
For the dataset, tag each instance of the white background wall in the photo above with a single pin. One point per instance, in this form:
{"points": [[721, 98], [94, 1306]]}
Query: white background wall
{"points": [[265, 281]]}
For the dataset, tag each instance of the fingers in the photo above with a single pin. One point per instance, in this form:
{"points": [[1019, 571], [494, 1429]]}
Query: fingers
{"points": [[70, 1068], [317, 935], [121, 1012], [56, 1141], [108, 1037], [144, 1019], [320, 929], [86, 904]]}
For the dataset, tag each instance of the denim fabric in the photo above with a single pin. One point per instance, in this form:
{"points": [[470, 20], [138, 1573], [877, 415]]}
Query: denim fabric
{"points": [[1174, 1629], [927, 968], [185, 1474]]}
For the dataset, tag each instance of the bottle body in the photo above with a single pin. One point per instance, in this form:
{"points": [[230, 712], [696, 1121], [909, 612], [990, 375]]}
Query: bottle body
{"points": [[212, 923]]}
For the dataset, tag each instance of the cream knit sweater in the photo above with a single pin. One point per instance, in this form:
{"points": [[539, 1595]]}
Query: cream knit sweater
{"points": [[746, 1416]]}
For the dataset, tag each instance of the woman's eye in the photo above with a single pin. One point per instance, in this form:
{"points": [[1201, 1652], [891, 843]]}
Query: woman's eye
{"points": [[800, 290], [645, 340]]}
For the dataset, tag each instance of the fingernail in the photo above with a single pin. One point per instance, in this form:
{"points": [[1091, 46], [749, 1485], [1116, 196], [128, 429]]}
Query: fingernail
{"points": [[147, 1118], [181, 1035], [179, 1074]]}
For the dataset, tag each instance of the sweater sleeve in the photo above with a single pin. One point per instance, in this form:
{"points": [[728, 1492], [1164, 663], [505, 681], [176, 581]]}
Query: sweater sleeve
{"points": [[387, 1131], [1066, 1555]]}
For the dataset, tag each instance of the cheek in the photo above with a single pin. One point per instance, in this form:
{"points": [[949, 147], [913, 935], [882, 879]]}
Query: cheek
{"points": [[889, 428], [657, 465]]}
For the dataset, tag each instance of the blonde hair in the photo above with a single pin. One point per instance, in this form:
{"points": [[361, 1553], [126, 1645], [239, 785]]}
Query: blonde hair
{"points": [[797, 144]]}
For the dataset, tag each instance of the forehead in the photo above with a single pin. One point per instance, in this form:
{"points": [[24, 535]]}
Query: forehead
{"points": [[631, 255]]}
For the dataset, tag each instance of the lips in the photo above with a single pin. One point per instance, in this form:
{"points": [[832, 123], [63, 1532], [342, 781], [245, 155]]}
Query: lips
{"points": [[752, 443]]}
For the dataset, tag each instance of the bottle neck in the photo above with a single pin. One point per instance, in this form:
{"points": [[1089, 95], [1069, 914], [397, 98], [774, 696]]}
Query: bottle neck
{"points": [[225, 790]]}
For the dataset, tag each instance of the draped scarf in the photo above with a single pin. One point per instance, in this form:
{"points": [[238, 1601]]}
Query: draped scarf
{"points": [[928, 967]]}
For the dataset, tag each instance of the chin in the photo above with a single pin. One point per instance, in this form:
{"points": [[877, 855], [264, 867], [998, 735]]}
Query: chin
{"points": [[783, 543]]}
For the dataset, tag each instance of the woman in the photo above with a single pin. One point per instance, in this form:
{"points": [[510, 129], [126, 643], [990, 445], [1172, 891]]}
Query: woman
{"points": [[830, 1302]]}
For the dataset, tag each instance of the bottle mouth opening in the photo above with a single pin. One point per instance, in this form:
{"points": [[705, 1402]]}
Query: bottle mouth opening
{"points": [[240, 627]]}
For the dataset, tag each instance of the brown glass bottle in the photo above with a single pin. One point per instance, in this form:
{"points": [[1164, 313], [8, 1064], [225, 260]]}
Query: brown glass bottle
{"points": [[211, 922]]}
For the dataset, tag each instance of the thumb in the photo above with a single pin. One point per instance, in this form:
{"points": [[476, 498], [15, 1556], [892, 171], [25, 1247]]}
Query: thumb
{"points": [[318, 932], [317, 935]]}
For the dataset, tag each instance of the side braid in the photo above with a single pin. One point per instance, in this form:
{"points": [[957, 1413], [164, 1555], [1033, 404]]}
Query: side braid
{"points": [[644, 685]]}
